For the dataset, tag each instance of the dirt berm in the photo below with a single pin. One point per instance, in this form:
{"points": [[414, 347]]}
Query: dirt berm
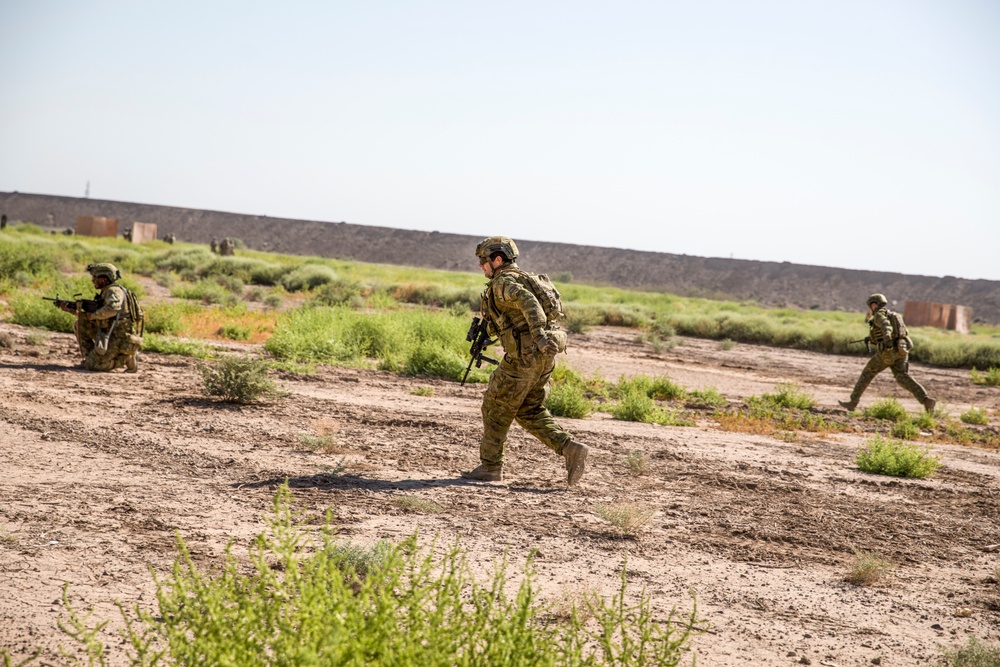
{"points": [[769, 283]]}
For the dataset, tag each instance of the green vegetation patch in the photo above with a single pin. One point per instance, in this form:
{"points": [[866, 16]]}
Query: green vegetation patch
{"points": [[898, 459], [306, 599]]}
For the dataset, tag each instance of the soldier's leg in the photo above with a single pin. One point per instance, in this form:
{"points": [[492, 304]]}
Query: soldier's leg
{"points": [[901, 371], [874, 366], [535, 418], [509, 384]]}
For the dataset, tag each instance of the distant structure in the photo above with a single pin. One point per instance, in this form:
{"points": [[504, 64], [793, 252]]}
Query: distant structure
{"points": [[95, 225], [940, 315], [143, 232]]}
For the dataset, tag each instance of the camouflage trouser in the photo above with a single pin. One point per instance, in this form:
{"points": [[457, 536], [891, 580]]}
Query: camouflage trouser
{"points": [[518, 391], [900, 365], [121, 345]]}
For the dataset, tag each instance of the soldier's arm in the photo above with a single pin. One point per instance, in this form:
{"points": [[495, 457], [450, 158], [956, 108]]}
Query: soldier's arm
{"points": [[516, 293], [881, 329], [114, 298]]}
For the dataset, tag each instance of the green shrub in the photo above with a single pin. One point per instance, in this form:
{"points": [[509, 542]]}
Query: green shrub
{"points": [[635, 405], [991, 378], [297, 602], [709, 396], [307, 277], [207, 291], [434, 361], [340, 292], [27, 257], [925, 421], [975, 415], [30, 310], [895, 458], [789, 395], [905, 430], [171, 345], [662, 388], [165, 318], [567, 399], [886, 408], [235, 331], [237, 379]]}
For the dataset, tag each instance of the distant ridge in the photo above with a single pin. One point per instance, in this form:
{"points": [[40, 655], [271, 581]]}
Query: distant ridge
{"points": [[769, 283]]}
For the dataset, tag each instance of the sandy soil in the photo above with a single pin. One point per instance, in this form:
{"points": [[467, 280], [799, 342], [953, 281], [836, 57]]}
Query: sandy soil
{"points": [[99, 470]]}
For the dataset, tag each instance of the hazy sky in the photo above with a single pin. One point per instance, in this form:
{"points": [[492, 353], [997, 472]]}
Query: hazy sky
{"points": [[853, 134]]}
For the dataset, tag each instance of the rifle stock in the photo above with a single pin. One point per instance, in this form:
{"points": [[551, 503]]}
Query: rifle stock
{"points": [[480, 339]]}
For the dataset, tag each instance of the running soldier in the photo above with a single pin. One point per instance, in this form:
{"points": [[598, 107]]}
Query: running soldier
{"points": [[519, 385], [892, 342]]}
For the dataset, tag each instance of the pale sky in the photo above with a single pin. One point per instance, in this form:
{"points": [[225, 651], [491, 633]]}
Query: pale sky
{"points": [[855, 134]]}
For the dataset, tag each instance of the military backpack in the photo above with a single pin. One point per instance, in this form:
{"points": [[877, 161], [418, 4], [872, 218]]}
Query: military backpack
{"points": [[546, 293]]}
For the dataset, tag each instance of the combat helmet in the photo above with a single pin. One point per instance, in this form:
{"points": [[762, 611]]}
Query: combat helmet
{"points": [[877, 298], [497, 244], [105, 270]]}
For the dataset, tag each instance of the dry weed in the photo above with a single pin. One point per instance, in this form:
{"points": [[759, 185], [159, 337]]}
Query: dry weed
{"points": [[868, 569], [625, 518]]}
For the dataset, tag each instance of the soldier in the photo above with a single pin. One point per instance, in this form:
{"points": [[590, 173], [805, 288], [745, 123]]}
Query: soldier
{"points": [[3, 221], [518, 387], [892, 343], [110, 336], [170, 238], [214, 245], [226, 247]]}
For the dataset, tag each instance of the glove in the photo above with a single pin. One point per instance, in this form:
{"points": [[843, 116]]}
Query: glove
{"points": [[546, 345]]}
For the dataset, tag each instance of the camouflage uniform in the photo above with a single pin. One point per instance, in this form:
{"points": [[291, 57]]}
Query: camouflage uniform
{"points": [[518, 387], [892, 352], [115, 316]]}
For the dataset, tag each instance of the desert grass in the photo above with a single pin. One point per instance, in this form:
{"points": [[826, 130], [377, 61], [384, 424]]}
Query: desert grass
{"points": [[627, 519], [975, 653], [868, 569], [896, 458], [637, 463], [422, 391], [741, 422], [418, 505]]}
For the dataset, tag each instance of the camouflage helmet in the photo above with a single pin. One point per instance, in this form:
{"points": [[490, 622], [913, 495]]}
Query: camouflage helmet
{"points": [[497, 244], [104, 270], [877, 298]]}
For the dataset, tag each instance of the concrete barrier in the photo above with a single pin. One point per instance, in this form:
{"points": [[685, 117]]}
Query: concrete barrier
{"points": [[94, 225]]}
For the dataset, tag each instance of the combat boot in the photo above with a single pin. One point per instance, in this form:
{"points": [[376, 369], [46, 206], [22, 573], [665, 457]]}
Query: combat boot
{"points": [[576, 460], [485, 473], [130, 365], [930, 404], [850, 406]]}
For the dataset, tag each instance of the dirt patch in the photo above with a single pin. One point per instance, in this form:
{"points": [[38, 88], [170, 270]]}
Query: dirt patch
{"points": [[100, 470]]}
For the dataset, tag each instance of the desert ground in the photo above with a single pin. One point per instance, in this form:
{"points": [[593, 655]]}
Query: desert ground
{"points": [[101, 470]]}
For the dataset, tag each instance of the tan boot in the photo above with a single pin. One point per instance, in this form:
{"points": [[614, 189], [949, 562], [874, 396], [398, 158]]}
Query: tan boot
{"points": [[485, 473], [850, 406], [930, 404], [130, 366], [576, 459]]}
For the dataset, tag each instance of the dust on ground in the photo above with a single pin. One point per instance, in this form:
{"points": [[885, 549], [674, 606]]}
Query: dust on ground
{"points": [[101, 470]]}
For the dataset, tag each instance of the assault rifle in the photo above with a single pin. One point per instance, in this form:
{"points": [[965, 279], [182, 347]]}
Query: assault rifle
{"points": [[88, 305], [866, 340], [480, 340]]}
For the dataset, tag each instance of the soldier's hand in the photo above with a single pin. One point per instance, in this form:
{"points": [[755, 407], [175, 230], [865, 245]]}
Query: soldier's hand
{"points": [[546, 345]]}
